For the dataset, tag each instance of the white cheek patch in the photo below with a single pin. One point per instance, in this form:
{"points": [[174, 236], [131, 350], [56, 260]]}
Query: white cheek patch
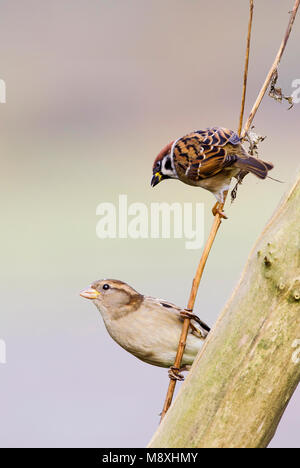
{"points": [[170, 172], [172, 155]]}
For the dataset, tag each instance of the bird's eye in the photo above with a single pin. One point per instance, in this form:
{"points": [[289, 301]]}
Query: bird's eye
{"points": [[105, 287], [157, 167]]}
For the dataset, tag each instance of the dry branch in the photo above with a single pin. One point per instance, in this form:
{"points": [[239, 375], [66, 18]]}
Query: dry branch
{"points": [[246, 68], [273, 69]]}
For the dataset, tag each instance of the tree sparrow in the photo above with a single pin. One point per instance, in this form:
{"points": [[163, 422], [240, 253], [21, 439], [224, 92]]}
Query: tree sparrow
{"points": [[146, 327], [209, 159]]}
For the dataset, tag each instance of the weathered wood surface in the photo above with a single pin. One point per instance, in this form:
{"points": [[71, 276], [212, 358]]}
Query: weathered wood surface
{"points": [[249, 367]]}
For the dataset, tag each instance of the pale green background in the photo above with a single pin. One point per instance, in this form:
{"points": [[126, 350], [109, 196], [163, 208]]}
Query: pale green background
{"points": [[94, 90]]}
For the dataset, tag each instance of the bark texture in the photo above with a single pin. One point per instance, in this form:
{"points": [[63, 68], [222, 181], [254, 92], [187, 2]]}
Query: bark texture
{"points": [[249, 367]]}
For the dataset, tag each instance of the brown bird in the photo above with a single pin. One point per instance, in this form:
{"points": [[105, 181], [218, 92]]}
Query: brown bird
{"points": [[146, 327], [209, 159]]}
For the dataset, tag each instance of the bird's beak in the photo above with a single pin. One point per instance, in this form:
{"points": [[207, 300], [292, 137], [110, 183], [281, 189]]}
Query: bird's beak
{"points": [[157, 177], [90, 293]]}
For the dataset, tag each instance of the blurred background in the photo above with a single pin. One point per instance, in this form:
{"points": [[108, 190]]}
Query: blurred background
{"points": [[94, 91]]}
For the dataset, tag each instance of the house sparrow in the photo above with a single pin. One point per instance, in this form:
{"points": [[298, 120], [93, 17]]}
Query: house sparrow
{"points": [[209, 159], [146, 327]]}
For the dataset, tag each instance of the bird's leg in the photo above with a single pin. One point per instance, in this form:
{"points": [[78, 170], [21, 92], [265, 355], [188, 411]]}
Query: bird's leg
{"points": [[175, 372], [217, 209]]}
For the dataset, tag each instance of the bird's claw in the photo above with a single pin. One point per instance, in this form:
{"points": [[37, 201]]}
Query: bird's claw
{"points": [[217, 210], [222, 214], [188, 314], [174, 374]]}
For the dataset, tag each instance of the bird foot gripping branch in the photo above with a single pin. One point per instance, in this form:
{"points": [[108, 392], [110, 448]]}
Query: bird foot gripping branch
{"points": [[218, 209], [175, 374]]}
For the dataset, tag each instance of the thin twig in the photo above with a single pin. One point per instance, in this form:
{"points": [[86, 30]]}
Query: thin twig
{"points": [[186, 323], [246, 68], [273, 69], [217, 220]]}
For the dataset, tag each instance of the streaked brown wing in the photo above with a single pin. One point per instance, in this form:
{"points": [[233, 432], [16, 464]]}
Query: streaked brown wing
{"points": [[194, 323], [203, 153]]}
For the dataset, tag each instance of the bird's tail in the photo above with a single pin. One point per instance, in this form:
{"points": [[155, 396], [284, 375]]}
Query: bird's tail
{"points": [[255, 166]]}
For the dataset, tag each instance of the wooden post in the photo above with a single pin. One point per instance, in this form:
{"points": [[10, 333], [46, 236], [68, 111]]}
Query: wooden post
{"points": [[249, 367]]}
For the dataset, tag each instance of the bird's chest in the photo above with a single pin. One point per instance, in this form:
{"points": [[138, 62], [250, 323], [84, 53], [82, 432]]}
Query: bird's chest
{"points": [[133, 332], [150, 335], [122, 330]]}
